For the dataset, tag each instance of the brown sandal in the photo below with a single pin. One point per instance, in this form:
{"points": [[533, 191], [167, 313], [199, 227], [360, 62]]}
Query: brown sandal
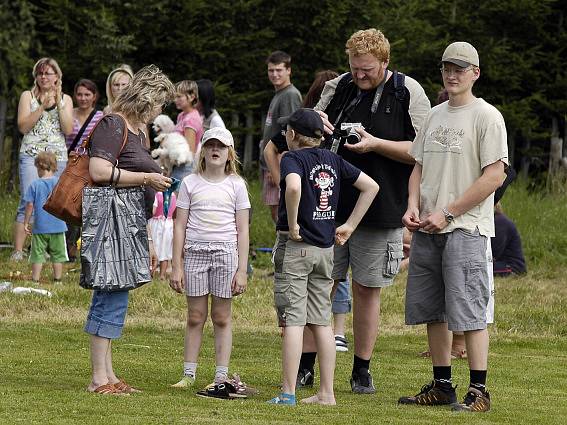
{"points": [[123, 388], [106, 389]]}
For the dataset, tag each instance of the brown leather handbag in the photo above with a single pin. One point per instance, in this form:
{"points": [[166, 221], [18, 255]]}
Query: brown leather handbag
{"points": [[66, 199]]}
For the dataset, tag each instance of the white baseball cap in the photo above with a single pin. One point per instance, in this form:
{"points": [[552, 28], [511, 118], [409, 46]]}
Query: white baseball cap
{"points": [[218, 133], [461, 53]]}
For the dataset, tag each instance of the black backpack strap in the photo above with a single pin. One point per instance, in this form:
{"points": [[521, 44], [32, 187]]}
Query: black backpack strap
{"points": [[399, 86]]}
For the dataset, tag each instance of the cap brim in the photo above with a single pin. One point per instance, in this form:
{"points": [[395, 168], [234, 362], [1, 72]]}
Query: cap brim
{"points": [[458, 62], [284, 120]]}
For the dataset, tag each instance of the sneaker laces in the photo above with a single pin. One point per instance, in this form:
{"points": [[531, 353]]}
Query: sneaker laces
{"points": [[470, 398]]}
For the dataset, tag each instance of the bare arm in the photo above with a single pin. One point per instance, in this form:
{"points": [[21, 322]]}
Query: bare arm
{"points": [[66, 115], [27, 218], [292, 197], [26, 118], [411, 216], [272, 158], [191, 137], [179, 227], [242, 228], [491, 179], [101, 170], [368, 189]]}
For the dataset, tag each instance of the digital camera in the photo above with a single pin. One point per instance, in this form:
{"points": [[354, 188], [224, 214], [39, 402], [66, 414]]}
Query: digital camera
{"points": [[346, 134]]}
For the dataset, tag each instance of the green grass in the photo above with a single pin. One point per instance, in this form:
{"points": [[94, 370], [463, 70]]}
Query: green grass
{"points": [[44, 363]]}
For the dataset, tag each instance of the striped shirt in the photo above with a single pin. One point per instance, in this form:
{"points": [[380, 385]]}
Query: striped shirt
{"points": [[77, 126]]}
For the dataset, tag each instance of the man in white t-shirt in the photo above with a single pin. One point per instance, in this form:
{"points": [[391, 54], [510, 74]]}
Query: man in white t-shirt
{"points": [[460, 155]]}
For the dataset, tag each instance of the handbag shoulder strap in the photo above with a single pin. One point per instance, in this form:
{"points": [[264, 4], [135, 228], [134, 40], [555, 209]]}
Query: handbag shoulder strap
{"points": [[87, 140], [81, 131]]}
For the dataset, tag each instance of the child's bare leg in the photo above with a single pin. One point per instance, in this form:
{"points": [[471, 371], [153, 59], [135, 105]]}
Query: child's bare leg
{"points": [[325, 341], [163, 269], [222, 323], [291, 353], [196, 316], [36, 271], [57, 271]]}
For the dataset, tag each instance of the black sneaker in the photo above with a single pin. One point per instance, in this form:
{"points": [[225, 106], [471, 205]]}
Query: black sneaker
{"points": [[432, 395], [361, 382], [474, 401], [305, 378]]}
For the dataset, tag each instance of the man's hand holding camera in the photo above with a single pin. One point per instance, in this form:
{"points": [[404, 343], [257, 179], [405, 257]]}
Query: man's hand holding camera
{"points": [[368, 143]]}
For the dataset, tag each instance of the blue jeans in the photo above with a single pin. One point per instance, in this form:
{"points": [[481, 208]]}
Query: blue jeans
{"points": [[342, 301], [107, 314], [28, 173], [180, 171]]}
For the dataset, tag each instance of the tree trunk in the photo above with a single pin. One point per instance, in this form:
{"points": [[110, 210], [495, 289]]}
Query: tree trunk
{"points": [[3, 110], [248, 141]]}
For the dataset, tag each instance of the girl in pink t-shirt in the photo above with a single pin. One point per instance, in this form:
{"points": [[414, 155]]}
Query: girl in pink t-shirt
{"points": [[189, 122], [161, 227], [210, 250]]}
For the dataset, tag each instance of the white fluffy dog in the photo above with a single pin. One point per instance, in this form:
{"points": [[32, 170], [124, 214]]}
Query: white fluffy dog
{"points": [[173, 149]]}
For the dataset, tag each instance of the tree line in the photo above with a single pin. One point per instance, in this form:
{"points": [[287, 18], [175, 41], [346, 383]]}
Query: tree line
{"points": [[521, 44]]}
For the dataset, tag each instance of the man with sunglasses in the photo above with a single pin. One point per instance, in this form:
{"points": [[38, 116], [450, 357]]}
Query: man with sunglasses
{"points": [[460, 153]]}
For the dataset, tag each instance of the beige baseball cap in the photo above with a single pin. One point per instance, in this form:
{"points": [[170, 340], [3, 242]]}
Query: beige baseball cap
{"points": [[461, 53], [218, 133]]}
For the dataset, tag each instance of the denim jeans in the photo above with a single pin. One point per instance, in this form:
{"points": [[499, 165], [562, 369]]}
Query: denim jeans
{"points": [[107, 314], [342, 301], [28, 173]]}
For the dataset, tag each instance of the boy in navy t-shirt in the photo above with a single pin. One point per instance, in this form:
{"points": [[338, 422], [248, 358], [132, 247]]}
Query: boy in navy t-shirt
{"points": [[310, 183], [48, 234]]}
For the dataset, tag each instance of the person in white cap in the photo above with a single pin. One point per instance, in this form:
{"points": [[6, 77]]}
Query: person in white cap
{"points": [[211, 235], [460, 154]]}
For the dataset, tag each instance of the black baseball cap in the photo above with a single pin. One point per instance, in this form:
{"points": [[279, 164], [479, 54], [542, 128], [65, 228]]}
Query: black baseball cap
{"points": [[305, 121]]}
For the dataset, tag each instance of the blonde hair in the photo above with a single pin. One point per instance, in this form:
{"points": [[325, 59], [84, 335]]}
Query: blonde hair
{"points": [[148, 89], [305, 141], [370, 41], [188, 87], [39, 66], [46, 161], [113, 76], [232, 162]]}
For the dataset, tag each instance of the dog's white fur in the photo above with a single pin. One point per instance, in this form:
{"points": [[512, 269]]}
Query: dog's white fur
{"points": [[173, 149]]}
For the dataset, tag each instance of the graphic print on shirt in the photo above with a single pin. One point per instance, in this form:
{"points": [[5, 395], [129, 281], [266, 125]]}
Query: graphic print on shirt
{"points": [[445, 139], [323, 177]]}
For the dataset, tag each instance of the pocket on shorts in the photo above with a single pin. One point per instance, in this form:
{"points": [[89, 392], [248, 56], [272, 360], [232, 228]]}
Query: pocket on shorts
{"points": [[282, 300], [297, 259], [394, 256]]}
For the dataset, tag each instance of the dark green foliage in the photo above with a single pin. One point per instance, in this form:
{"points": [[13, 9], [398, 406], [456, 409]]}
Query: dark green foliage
{"points": [[521, 45]]}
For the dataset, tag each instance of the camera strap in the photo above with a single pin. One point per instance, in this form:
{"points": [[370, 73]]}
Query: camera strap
{"points": [[345, 113]]}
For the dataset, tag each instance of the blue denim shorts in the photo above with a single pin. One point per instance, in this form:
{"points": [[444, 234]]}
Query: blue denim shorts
{"points": [[342, 300], [107, 314], [28, 173]]}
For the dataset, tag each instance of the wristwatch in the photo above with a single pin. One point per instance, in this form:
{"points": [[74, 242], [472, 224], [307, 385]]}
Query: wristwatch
{"points": [[448, 216]]}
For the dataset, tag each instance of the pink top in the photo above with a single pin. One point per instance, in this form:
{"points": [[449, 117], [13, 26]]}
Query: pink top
{"points": [[212, 207], [190, 120], [77, 126], [158, 205]]}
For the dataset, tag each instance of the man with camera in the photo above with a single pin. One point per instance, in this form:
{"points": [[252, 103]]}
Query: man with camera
{"points": [[375, 114]]}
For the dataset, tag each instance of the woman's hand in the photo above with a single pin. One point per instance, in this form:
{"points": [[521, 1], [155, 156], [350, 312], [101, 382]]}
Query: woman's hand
{"points": [[157, 181], [47, 99], [58, 92]]}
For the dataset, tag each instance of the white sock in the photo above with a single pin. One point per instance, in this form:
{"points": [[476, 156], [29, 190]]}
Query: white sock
{"points": [[190, 369], [221, 374]]}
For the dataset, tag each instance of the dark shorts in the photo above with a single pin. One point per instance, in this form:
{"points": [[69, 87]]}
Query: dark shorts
{"points": [[448, 280]]}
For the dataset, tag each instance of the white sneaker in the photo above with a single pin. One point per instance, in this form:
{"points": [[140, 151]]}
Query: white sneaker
{"points": [[17, 256], [341, 343], [186, 382]]}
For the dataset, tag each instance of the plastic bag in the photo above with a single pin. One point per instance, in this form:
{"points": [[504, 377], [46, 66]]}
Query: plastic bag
{"points": [[114, 239]]}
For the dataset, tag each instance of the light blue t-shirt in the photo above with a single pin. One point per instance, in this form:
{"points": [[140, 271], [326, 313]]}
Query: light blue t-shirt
{"points": [[37, 194]]}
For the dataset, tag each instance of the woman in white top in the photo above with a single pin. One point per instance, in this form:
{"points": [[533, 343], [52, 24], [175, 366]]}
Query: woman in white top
{"points": [[206, 105], [45, 117]]}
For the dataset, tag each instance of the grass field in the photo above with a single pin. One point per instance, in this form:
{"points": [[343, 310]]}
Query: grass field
{"points": [[44, 363]]}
